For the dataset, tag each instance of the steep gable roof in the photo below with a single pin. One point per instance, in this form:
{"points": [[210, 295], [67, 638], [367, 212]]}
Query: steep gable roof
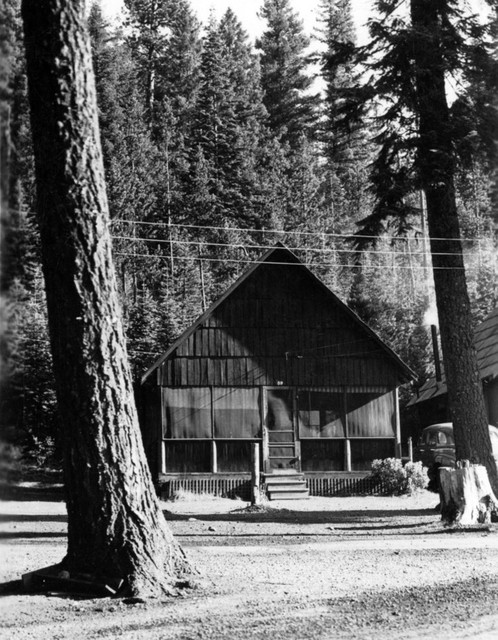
{"points": [[279, 255]]}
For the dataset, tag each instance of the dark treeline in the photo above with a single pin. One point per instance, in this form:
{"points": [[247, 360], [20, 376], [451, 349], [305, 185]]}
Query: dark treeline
{"points": [[217, 147]]}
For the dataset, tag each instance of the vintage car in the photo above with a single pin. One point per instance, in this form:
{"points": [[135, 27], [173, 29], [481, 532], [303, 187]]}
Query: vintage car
{"points": [[436, 448]]}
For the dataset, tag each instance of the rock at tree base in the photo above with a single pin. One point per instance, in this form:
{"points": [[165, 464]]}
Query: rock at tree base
{"points": [[55, 578]]}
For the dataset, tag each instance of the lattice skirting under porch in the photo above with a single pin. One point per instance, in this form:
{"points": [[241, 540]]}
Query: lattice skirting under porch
{"points": [[238, 487], [342, 486], [223, 487]]}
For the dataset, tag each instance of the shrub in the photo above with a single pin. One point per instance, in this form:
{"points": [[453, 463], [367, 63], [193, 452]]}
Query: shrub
{"points": [[398, 479], [10, 461]]}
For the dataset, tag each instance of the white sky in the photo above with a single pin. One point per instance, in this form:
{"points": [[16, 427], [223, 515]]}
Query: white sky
{"points": [[246, 11]]}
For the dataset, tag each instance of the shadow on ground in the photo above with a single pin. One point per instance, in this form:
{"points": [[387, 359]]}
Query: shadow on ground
{"points": [[23, 517], [15, 535], [287, 516], [39, 492]]}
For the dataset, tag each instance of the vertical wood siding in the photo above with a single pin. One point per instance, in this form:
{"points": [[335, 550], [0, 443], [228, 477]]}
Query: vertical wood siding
{"points": [[278, 326]]}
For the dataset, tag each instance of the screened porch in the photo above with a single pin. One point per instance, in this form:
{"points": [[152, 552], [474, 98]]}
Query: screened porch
{"points": [[311, 430]]}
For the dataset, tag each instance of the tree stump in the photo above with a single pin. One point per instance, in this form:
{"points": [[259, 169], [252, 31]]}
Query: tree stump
{"points": [[466, 494]]}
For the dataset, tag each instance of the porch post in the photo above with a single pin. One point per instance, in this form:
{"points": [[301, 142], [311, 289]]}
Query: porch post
{"points": [[255, 474], [397, 424], [347, 442], [347, 454], [162, 430], [297, 446], [214, 457], [162, 455], [264, 430], [410, 449]]}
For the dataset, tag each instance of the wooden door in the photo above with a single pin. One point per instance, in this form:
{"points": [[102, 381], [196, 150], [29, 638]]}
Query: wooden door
{"points": [[283, 448]]}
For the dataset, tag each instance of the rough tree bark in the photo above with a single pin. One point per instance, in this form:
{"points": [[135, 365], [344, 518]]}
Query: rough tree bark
{"points": [[437, 169], [115, 525], [466, 494]]}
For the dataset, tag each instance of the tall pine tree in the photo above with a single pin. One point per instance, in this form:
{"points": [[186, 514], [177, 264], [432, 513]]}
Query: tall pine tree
{"points": [[285, 74], [346, 147], [338, 37], [412, 57]]}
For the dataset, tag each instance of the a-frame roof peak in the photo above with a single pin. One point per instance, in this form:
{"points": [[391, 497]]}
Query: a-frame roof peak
{"points": [[280, 253], [276, 255]]}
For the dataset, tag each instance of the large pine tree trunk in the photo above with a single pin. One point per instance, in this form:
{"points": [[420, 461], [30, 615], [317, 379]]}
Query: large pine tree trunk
{"points": [[115, 525], [437, 169]]}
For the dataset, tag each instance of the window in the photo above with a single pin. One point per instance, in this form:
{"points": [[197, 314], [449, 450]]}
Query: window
{"points": [[188, 412], [236, 413], [431, 438], [320, 414], [371, 415]]}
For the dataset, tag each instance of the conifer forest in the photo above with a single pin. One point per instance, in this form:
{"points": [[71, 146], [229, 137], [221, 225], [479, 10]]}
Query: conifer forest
{"points": [[218, 145]]}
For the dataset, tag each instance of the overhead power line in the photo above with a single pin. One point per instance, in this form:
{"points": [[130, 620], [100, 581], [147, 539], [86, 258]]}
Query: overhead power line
{"points": [[291, 264], [318, 234], [230, 245]]}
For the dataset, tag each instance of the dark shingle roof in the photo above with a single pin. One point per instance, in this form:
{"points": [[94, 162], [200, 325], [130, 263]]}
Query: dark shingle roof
{"points": [[486, 343]]}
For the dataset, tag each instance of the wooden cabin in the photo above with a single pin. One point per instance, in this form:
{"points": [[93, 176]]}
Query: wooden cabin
{"points": [[281, 361], [431, 400]]}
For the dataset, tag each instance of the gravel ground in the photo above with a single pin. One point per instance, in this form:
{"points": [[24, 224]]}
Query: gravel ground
{"points": [[364, 567]]}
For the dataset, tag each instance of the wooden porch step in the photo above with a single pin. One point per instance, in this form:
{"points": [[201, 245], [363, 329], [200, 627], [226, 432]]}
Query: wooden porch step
{"points": [[282, 486], [286, 486], [294, 494], [275, 474], [290, 480]]}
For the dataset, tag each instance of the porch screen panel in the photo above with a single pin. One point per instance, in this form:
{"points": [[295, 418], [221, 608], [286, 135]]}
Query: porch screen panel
{"points": [[322, 455], [321, 414], [371, 415], [236, 413], [187, 412], [280, 409], [364, 452], [188, 456], [233, 456]]}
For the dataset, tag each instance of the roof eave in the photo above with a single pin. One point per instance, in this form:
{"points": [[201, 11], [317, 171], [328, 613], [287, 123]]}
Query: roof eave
{"points": [[211, 308]]}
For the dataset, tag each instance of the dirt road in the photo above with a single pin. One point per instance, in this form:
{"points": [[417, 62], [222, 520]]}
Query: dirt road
{"points": [[323, 568]]}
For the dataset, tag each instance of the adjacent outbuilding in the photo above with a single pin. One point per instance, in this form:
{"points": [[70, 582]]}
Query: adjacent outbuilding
{"points": [[278, 360], [431, 400]]}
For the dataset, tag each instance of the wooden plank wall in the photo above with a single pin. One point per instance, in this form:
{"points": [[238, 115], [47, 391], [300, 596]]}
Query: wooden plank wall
{"points": [[491, 397], [279, 327]]}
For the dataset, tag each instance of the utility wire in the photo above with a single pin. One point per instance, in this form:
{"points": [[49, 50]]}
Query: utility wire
{"points": [[239, 245], [290, 264], [319, 234]]}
